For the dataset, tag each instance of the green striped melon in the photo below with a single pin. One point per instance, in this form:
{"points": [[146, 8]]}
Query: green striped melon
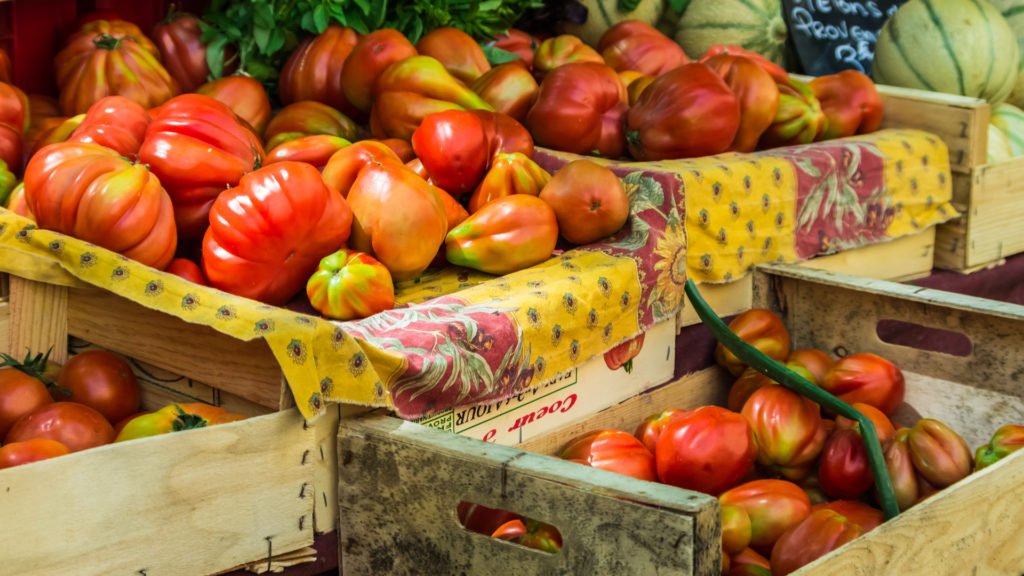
{"points": [[1013, 11], [756, 25], [603, 14], [999, 148], [1010, 120], [954, 46]]}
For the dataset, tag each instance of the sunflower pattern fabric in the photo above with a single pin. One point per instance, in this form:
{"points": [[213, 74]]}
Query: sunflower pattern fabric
{"points": [[791, 204]]}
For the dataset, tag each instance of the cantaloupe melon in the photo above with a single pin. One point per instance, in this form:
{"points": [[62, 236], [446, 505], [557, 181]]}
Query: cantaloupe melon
{"points": [[999, 149], [603, 14], [755, 25], [1013, 11], [1010, 120], [955, 46]]}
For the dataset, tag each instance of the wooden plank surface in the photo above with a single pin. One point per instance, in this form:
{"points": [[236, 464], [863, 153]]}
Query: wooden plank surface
{"points": [[5, 327], [39, 319], [401, 484], [245, 369], [996, 214], [189, 503], [906, 258]]}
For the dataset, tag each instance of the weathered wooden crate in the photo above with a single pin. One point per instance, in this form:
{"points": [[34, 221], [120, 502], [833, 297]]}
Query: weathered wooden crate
{"points": [[401, 483], [990, 196], [196, 502]]}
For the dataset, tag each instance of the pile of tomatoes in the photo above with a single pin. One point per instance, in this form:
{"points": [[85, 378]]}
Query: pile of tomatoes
{"points": [[48, 410], [793, 482]]}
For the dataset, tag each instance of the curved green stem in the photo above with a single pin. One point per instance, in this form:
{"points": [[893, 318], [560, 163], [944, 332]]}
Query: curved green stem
{"points": [[786, 377]]}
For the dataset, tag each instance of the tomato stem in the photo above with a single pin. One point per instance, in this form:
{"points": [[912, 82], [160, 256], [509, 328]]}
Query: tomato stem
{"points": [[106, 42]]}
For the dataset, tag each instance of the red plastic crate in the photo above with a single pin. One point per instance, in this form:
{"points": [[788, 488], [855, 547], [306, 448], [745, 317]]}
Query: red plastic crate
{"points": [[32, 31]]}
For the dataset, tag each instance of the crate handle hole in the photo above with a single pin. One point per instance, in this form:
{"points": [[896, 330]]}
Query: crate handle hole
{"points": [[925, 338], [510, 527]]}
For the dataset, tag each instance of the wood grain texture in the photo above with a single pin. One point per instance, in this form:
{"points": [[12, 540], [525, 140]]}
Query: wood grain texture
{"points": [[39, 318], [996, 214], [906, 258], [401, 484], [245, 369], [194, 502], [325, 470], [5, 327]]}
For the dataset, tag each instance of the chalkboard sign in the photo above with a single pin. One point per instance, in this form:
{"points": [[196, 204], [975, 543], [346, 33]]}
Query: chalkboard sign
{"points": [[834, 35]]}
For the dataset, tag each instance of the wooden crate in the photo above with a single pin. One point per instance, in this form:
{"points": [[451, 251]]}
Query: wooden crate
{"points": [[196, 502], [415, 477], [5, 317], [990, 196]]}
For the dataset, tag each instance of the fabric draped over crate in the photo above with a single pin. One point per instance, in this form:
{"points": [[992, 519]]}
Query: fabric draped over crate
{"points": [[461, 337]]}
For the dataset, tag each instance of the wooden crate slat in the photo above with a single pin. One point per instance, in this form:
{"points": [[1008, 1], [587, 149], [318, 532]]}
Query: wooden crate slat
{"points": [[39, 319]]}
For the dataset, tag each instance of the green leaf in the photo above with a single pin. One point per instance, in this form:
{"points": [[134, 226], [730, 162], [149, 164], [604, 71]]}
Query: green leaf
{"points": [[263, 16], [308, 24], [262, 37], [498, 56], [320, 18], [215, 56], [276, 41], [679, 6], [364, 5]]}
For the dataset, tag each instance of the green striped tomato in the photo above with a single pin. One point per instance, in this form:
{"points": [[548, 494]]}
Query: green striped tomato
{"points": [[350, 285]]}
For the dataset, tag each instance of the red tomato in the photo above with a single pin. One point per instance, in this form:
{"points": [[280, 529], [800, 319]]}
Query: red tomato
{"points": [[650, 429], [74, 425], [14, 121], [750, 381], [750, 557], [453, 148], [773, 506], [843, 470], [115, 122], [939, 453], [822, 532], [589, 201], [188, 270], [859, 513], [245, 96], [709, 450], [482, 519], [367, 60], [816, 362], [530, 533], [314, 69], [34, 450], [869, 379], [612, 450], [736, 529], [883, 426], [787, 427], [102, 381], [900, 465], [20, 394], [762, 329], [517, 42]]}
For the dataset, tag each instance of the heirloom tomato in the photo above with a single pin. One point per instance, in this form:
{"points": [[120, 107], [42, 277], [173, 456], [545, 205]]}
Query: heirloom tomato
{"points": [[509, 174], [213, 415], [8, 182], [736, 529], [314, 70], [102, 381], [762, 329], [401, 148], [509, 88], [175, 418], [1006, 440], [508, 234], [21, 390], [115, 122], [16, 203], [787, 428], [399, 218], [901, 470], [650, 428], [559, 51], [850, 102], [314, 150], [187, 269], [308, 118], [14, 122], [516, 42], [636, 45], [530, 533], [773, 507], [820, 533], [5, 67], [857, 512], [749, 557], [350, 285], [611, 450], [589, 201], [749, 381], [481, 519], [505, 134], [798, 120], [100, 22], [28, 451], [883, 426], [939, 453], [816, 362], [452, 146], [371, 55], [866, 378], [757, 93], [182, 51], [74, 425], [778, 73], [198, 149], [636, 88], [106, 59], [244, 95], [709, 450], [50, 131], [844, 471], [580, 109], [622, 356], [459, 53], [268, 234], [684, 113], [93, 193]]}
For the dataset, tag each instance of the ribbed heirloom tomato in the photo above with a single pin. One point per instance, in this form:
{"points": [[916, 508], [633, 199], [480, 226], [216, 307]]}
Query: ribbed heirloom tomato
{"points": [[350, 285], [773, 507], [709, 450], [14, 121], [314, 70], [244, 95], [453, 148], [115, 122], [760, 328], [611, 450]]}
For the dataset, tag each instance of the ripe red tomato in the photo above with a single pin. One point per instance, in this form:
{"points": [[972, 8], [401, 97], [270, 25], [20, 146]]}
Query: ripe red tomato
{"points": [[822, 532], [612, 450], [787, 427], [859, 513], [773, 507], [18, 453], [939, 453], [815, 361], [530, 533], [589, 202], [869, 379], [74, 425], [843, 470], [762, 329], [188, 270], [710, 449], [481, 519], [20, 394], [883, 426], [102, 381], [453, 148], [736, 529], [650, 429]]}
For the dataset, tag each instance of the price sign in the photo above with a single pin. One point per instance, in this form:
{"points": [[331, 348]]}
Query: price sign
{"points": [[834, 35]]}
